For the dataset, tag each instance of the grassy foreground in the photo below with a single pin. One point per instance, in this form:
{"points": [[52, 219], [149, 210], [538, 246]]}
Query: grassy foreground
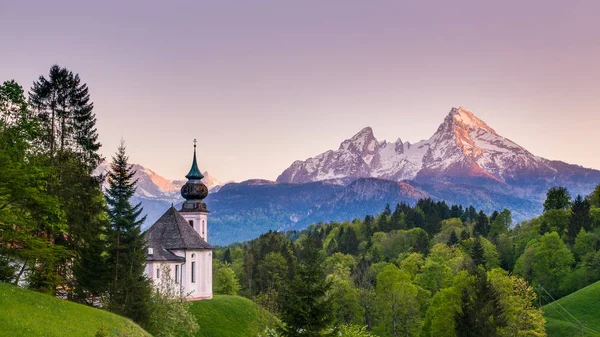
{"points": [[230, 316], [584, 304], [25, 313]]}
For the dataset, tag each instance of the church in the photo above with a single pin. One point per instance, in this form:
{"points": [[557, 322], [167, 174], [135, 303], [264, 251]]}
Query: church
{"points": [[179, 240]]}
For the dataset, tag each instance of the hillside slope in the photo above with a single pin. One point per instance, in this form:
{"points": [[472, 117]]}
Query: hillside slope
{"points": [[25, 313], [584, 305], [230, 316]]}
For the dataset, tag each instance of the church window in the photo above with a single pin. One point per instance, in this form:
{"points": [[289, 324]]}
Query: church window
{"points": [[157, 273], [192, 223], [193, 272], [176, 273]]}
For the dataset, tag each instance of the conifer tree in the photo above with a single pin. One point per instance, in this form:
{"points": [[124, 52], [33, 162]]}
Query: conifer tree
{"points": [[130, 289], [62, 104], [453, 240], [482, 226], [580, 218], [305, 310], [478, 253], [482, 312]]}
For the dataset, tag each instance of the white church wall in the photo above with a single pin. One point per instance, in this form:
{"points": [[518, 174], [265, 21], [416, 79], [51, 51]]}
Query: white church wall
{"points": [[199, 221]]}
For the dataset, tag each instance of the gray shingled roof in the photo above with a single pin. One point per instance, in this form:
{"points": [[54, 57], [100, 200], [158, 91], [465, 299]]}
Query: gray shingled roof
{"points": [[161, 254], [171, 231]]}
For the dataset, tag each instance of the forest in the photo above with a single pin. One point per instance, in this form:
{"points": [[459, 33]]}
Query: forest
{"points": [[425, 270]]}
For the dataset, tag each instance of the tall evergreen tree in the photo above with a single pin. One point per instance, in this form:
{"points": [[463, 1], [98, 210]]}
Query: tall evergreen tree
{"points": [[453, 239], [69, 140], [482, 226], [482, 312], [62, 104], [478, 253], [580, 218], [305, 310], [130, 289]]}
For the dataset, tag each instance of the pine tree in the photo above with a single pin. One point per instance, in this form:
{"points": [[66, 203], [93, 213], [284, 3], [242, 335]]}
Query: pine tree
{"points": [[482, 313], [62, 104], [130, 290], [580, 218], [464, 235], [227, 256], [348, 242], [477, 254], [305, 309], [368, 226], [482, 226], [453, 240]]}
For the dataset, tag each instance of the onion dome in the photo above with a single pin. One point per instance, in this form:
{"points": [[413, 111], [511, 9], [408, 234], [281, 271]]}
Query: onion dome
{"points": [[194, 190]]}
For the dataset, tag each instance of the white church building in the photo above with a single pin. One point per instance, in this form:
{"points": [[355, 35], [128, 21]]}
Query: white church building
{"points": [[179, 240]]}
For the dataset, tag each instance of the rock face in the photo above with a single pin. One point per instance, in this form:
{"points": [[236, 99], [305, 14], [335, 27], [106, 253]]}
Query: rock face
{"points": [[463, 149]]}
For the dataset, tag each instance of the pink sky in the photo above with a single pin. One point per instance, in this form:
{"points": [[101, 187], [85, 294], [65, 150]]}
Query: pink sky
{"points": [[263, 83]]}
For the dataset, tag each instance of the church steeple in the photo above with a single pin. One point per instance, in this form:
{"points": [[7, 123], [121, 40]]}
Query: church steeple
{"points": [[194, 171], [194, 191]]}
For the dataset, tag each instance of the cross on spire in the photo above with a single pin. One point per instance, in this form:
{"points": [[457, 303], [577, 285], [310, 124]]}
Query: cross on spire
{"points": [[194, 142]]}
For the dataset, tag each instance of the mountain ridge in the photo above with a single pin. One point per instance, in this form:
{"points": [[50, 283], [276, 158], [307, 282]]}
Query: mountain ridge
{"points": [[463, 146]]}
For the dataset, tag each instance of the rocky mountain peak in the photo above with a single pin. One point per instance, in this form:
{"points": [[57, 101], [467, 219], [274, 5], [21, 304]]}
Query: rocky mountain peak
{"points": [[461, 117], [363, 141]]}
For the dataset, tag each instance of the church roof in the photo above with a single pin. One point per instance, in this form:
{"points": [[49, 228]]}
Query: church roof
{"points": [[159, 253], [172, 232], [194, 171]]}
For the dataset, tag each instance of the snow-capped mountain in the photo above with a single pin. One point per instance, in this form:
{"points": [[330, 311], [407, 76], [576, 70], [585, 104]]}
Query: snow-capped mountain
{"points": [[155, 192], [463, 148]]}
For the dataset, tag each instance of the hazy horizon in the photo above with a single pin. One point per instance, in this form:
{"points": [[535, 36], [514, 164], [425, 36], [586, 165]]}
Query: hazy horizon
{"points": [[261, 84]]}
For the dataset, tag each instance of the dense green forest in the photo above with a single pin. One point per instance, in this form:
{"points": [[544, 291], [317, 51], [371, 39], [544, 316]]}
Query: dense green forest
{"points": [[423, 270]]}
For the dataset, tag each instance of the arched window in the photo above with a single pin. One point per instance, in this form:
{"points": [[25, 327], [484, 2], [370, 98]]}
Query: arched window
{"points": [[191, 223]]}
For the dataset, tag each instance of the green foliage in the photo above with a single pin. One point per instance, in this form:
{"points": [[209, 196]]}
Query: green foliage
{"points": [[482, 313], [482, 226], [344, 297], [517, 300], [24, 313], [501, 223], [130, 290], [305, 309], [557, 220], [353, 331], [399, 308], [557, 198], [448, 227], [224, 280], [552, 264], [171, 316], [580, 218]]}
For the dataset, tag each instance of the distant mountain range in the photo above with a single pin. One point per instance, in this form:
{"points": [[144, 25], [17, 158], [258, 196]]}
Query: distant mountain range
{"points": [[464, 162]]}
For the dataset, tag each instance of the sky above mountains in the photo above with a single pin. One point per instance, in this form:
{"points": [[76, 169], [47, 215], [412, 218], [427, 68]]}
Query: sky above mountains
{"points": [[263, 83]]}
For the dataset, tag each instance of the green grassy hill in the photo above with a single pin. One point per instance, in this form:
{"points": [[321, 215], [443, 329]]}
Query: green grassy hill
{"points": [[25, 313], [230, 316], [584, 304]]}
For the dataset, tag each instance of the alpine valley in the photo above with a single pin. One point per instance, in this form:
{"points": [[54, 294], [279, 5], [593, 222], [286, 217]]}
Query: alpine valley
{"points": [[465, 162]]}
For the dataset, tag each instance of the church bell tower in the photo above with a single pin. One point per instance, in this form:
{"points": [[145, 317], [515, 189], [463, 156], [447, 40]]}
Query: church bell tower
{"points": [[194, 191]]}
